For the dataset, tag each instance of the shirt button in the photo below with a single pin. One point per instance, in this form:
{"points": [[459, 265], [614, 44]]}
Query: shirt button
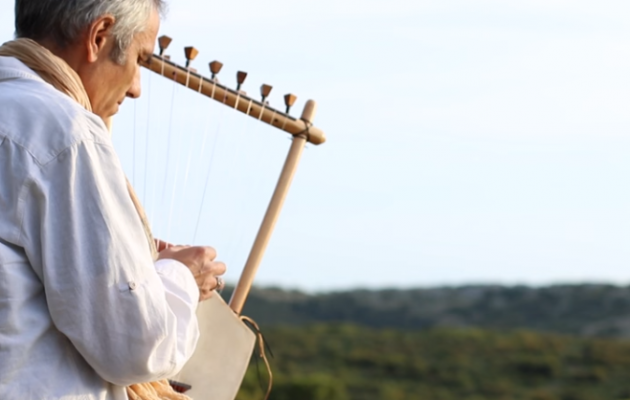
{"points": [[132, 285]]}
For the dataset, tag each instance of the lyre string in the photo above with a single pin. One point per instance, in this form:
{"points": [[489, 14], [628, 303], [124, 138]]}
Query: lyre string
{"points": [[190, 151], [146, 143], [154, 180], [255, 164], [135, 126], [209, 169], [202, 152], [241, 218], [176, 180], [210, 166], [168, 146]]}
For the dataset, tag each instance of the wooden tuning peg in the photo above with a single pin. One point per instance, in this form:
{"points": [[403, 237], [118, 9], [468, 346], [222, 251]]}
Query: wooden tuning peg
{"points": [[289, 100], [191, 54], [264, 92], [215, 68], [240, 78], [163, 42]]}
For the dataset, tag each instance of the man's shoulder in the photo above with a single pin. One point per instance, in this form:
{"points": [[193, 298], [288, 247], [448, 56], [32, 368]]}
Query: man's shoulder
{"points": [[44, 121]]}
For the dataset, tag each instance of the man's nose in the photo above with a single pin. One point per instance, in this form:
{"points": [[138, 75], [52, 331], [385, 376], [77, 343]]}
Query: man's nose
{"points": [[135, 90]]}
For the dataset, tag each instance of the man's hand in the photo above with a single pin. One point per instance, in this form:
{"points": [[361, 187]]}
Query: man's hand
{"points": [[200, 261]]}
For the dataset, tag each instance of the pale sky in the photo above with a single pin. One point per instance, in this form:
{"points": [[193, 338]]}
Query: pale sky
{"points": [[468, 141]]}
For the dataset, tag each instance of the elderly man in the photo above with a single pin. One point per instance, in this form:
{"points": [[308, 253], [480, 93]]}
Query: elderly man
{"points": [[87, 304]]}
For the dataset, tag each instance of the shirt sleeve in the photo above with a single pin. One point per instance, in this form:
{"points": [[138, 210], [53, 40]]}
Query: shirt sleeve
{"points": [[182, 295], [131, 320]]}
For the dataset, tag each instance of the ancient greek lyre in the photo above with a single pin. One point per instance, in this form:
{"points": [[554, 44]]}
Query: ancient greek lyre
{"points": [[217, 369]]}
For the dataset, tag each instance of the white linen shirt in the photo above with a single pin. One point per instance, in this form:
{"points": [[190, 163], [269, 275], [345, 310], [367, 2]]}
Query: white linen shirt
{"points": [[84, 311]]}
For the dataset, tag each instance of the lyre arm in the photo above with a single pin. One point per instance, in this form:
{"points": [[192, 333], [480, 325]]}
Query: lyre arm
{"points": [[241, 291], [234, 99], [246, 280]]}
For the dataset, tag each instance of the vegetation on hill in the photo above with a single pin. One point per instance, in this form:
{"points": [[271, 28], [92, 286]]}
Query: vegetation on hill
{"points": [[349, 362], [560, 342], [585, 310]]}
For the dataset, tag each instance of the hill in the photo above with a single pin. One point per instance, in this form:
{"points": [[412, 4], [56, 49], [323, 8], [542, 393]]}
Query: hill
{"points": [[586, 310], [348, 362]]}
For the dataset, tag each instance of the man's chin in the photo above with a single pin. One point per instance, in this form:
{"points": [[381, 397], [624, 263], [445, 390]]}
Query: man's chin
{"points": [[112, 111], [107, 115]]}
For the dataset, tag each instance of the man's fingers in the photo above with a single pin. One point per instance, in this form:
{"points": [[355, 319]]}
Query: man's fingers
{"points": [[200, 262], [205, 294], [203, 252], [215, 268], [203, 297], [210, 282], [193, 257], [208, 285], [212, 269]]}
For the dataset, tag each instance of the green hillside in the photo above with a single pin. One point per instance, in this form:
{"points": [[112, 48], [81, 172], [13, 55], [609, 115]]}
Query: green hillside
{"points": [[348, 362], [563, 342]]}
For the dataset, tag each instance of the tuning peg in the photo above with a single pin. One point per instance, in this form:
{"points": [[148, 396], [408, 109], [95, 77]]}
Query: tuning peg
{"points": [[215, 68], [163, 42], [264, 92], [289, 100], [191, 54], [240, 78]]}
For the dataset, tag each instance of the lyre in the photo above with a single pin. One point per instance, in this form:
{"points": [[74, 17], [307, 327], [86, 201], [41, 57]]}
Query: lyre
{"points": [[226, 342]]}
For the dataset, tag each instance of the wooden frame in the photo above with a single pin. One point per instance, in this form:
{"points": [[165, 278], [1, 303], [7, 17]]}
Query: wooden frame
{"points": [[301, 129], [232, 98]]}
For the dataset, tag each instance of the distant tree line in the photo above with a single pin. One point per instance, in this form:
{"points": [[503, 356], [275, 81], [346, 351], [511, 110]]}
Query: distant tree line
{"points": [[586, 310]]}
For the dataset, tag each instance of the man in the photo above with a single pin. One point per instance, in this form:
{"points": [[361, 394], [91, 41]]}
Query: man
{"points": [[84, 310]]}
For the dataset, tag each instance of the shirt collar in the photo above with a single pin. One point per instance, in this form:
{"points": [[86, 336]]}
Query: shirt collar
{"points": [[12, 68]]}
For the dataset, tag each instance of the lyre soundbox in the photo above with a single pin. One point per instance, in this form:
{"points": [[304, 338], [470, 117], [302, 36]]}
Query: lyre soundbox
{"points": [[218, 366]]}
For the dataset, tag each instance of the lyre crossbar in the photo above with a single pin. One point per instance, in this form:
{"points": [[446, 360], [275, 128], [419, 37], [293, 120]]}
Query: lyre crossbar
{"points": [[301, 129], [235, 99]]}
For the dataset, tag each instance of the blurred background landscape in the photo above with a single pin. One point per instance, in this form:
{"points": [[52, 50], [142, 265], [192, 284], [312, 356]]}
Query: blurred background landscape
{"points": [[567, 342]]}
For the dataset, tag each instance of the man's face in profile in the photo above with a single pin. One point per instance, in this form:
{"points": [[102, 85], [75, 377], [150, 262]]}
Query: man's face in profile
{"points": [[108, 82]]}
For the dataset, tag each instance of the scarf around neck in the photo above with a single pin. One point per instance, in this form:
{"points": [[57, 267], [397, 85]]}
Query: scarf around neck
{"points": [[61, 76]]}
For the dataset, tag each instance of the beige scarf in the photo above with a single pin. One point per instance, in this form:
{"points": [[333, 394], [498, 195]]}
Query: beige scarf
{"points": [[58, 73]]}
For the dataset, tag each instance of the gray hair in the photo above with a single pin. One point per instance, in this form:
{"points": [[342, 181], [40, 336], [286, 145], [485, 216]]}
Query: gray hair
{"points": [[64, 20]]}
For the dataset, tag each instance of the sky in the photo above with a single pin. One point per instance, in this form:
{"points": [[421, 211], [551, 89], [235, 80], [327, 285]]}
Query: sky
{"points": [[468, 142]]}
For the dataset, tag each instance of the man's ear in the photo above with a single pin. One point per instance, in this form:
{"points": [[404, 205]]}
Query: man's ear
{"points": [[99, 37]]}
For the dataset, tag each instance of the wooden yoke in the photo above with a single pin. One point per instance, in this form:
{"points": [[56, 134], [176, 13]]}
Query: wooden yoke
{"points": [[233, 98]]}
